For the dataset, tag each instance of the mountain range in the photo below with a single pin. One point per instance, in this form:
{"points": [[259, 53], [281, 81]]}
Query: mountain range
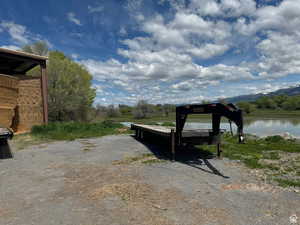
{"points": [[291, 91]]}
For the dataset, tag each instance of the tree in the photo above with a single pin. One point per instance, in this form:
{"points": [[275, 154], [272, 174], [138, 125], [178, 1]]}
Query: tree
{"points": [[112, 111], [142, 110], [246, 107], [266, 103], [292, 103], [38, 48], [125, 109], [70, 95], [69, 87], [167, 108]]}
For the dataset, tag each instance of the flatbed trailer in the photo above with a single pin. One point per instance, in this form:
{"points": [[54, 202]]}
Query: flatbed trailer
{"points": [[178, 137]]}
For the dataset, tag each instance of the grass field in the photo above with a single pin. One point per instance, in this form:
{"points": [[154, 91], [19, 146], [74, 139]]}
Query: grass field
{"points": [[277, 158], [74, 130]]}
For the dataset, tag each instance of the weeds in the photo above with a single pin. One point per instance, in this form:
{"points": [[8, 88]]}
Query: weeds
{"points": [[286, 182], [274, 155]]}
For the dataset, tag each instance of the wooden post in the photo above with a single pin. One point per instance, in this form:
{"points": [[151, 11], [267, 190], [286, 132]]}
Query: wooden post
{"points": [[219, 151], [173, 144], [44, 85]]}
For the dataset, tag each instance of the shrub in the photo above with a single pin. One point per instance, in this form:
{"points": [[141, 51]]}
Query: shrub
{"points": [[275, 138]]}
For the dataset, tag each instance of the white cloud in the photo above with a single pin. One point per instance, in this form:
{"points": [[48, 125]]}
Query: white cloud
{"points": [[208, 50], [11, 47], [75, 56], [17, 32], [123, 31], [95, 9], [72, 18], [280, 55], [284, 17], [168, 58], [223, 8]]}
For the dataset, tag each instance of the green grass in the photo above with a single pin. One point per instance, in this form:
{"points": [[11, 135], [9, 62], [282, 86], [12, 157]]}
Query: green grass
{"points": [[255, 149], [277, 157], [74, 130], [168, 124], [286, 182]]}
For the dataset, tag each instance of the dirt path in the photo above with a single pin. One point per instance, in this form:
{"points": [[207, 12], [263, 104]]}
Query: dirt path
{"points": [[114, 180]]}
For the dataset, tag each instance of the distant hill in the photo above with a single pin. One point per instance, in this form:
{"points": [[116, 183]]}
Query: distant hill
{"points": [[248, 98]]}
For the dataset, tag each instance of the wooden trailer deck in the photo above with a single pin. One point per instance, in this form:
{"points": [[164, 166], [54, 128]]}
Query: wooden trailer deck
{"points": [[192, 137], [166, 131]]}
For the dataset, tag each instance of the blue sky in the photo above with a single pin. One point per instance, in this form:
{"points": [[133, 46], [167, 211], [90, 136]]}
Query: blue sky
{"points": [[166, 51]]}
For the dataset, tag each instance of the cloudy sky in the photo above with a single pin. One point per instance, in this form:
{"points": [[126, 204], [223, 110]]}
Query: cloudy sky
{"points": [[166, 51]]}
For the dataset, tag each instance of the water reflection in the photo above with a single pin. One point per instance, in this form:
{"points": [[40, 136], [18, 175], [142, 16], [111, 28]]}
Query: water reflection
{"points": [[258, 127]]}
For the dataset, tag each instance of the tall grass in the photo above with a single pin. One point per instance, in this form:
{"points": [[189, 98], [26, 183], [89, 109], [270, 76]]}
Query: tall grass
{"points": [[73, 130]]}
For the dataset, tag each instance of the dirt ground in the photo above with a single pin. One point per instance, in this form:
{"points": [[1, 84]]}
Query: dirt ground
{"points": [[115, 180]]}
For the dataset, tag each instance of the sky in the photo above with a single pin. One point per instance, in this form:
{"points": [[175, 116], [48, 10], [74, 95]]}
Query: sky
{"points": [[166, 51]]}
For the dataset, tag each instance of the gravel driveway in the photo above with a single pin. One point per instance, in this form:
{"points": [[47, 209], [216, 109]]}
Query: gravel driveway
{"points": [[115, 181]]}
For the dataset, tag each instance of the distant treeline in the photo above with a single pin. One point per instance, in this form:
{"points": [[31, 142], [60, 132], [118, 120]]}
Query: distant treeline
{"points": [[141, 110], [280, 102]]}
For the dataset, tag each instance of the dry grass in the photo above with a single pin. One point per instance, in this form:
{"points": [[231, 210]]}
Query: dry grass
{"points": [[23, 141], [249, 187], [136, 201], [148, 158]]}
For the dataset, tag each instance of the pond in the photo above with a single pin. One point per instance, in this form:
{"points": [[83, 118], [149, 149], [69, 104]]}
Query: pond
{"points": [[259, 127]]}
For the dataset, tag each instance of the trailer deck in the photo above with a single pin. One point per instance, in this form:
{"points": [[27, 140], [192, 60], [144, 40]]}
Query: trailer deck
{"points": [[179, 137], [166, 131], [188, 137]]}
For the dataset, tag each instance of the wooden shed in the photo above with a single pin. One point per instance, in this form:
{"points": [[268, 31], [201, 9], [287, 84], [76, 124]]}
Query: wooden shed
{"points": [[23, 99]]}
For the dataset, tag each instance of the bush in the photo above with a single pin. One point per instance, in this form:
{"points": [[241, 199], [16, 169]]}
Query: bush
{"points": [[246, 107], [142, 110], [138, 114], [275, 138], [112, 111]]}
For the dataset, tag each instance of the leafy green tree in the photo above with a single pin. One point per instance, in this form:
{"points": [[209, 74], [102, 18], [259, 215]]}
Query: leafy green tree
{"points": [[292, 103], [279, 100], [69, 84], [266, 103], [70, 95], [246, 107]]}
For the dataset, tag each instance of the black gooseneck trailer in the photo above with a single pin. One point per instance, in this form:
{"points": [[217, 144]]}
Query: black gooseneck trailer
{"points": [[178, 137]]}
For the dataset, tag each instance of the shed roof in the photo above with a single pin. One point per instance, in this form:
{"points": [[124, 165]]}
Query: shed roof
{"points": [[17, 62]]}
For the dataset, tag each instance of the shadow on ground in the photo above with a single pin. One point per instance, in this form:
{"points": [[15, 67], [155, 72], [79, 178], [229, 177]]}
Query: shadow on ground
{"points": [[191, 156]]}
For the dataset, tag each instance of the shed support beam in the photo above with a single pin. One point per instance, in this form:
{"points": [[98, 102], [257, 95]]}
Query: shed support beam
{"points": [[44, 85]]}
